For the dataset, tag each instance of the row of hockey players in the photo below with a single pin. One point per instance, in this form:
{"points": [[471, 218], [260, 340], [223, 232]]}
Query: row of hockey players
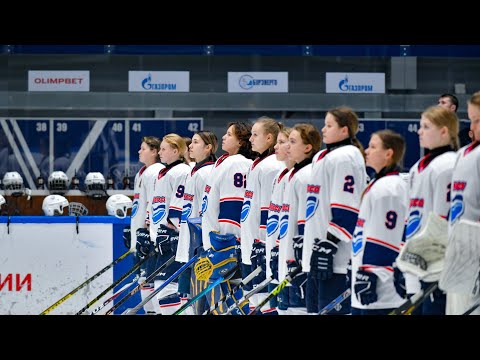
{"points": [[286, 203]]}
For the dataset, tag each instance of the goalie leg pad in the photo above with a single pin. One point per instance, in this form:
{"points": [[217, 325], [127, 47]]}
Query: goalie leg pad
{"points": [[238, 295], [217, 260], [462, 259]]}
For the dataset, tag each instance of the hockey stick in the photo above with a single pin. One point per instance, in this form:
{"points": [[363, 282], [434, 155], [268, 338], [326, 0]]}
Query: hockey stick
{"points": [[139, 286], [415, 301], [206, 290], [176, 274], [338, 300], [235, 289], [88, 281], [279, 288], [123, 277], [114, 296], [240, 303], [472, 309]]}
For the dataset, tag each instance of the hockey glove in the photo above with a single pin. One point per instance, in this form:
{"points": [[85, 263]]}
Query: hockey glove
{"points": [[296, 292], [366, 287], [274, 262], [165, 238], [144, 245], [321, 262], [297, 248], [127, 238], [399, 282], [257, 256]]}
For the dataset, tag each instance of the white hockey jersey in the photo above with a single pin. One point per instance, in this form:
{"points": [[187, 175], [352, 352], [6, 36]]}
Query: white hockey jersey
{"points": [[142, 193], [192, 204], [465, 192], [430, 182], [167, 200], [273, 220], [378, 236], [292, 216], [333, 199], [429, 190], [258, 192], [222, 198]]}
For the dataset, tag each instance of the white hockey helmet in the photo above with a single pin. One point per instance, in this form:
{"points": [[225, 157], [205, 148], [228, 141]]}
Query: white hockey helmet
{"points": [[13, 182], [58, 182], [54, 205], [118, 205], [95, 184]]}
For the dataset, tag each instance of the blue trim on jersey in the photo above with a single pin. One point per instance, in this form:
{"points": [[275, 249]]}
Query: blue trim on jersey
{"points": [[231, 210], [263, 217], [376, 254], [174, 213], [301, 229], [344, 218]]}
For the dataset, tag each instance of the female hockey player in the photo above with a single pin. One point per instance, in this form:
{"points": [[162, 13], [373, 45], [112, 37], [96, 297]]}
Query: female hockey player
{"points": [[256, 201], [166, 209], [202, 149], [225, 189], [304, 143], [461, 274], [333, 198], [430, 188], [380, 228], [142, 195], [276, 202]]}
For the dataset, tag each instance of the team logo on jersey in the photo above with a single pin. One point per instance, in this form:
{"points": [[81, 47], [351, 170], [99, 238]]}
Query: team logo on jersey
{"points": [[312, 204], [272, 224], [159, 209], [245, 211], [413, 224], [186, 212], [456, 208], [357, 242], [283, 227], [134, 208]]}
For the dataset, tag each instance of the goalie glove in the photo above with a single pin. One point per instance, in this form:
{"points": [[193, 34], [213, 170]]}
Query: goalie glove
{"points": [[424, 254]]}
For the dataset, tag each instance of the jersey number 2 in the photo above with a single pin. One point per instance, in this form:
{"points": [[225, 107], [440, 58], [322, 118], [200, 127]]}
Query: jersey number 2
{"points": [[349, 183]]}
